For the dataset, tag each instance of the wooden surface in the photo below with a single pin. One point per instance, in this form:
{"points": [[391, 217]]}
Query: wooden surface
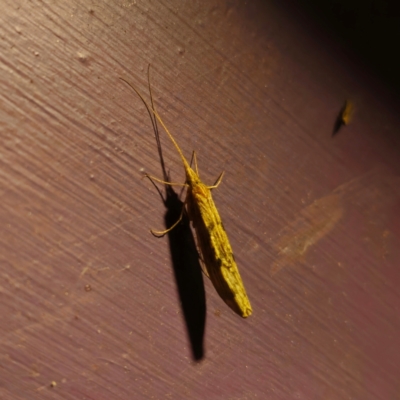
{"points": [[90, 300]]}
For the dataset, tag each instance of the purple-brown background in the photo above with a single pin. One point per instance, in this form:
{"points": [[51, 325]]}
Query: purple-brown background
{"points": [[88, 298]]}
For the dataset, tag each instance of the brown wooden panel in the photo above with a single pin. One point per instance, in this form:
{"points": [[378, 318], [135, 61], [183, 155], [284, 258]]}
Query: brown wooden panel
{"points": [[92, 302]]}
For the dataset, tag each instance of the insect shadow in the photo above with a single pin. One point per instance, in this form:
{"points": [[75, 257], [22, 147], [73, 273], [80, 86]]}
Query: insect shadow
{"points": [[185, 258]]}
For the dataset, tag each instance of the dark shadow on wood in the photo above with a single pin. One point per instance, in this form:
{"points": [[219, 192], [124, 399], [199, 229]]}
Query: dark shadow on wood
{"points": [[185, 258], [187, 271], [338, 124]]}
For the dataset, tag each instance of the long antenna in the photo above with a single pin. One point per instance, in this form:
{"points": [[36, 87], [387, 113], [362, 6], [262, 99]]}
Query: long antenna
{"points": [[152, 110]]}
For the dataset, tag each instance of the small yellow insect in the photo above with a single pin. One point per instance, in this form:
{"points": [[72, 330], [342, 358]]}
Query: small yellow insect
{"points": [[347, 112], [213, 242], [344, 117]]}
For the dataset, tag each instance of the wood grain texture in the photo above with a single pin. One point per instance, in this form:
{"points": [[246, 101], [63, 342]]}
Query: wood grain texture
{"points": [[88, 296]]}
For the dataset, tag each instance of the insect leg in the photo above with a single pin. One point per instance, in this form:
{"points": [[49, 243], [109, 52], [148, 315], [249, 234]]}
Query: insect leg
{"points": [[217, 182], [162, 233], [204, 268], [152, 178], [194, 159]]}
